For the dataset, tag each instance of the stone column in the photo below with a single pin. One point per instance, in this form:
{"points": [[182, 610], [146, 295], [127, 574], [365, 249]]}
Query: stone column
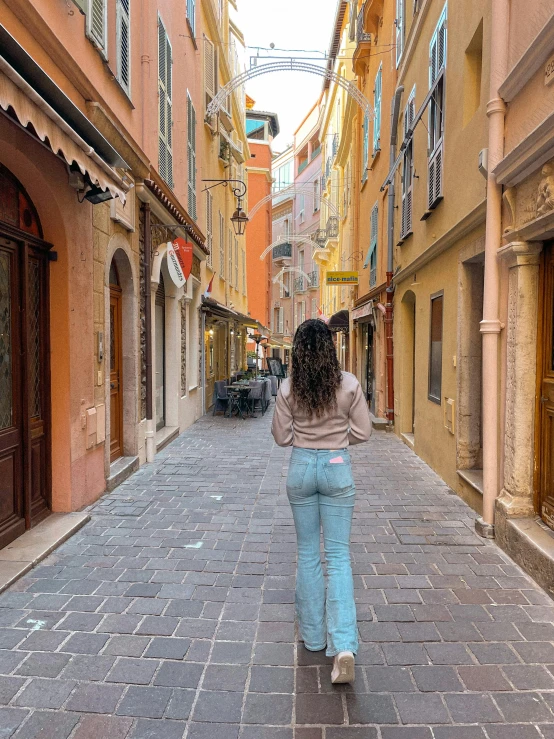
{"points": [[516, 499]]}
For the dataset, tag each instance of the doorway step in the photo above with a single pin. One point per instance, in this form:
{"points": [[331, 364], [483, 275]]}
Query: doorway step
{"points": [[165, 436], [34, 545], [120, 470]]}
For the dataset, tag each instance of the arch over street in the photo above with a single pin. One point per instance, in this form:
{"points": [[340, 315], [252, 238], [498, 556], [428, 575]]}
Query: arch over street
{"points": [[300, 189], [288, 65]]}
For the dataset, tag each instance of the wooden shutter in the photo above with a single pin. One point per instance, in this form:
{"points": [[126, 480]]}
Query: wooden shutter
{"points": [[97, 22], [209, 227], [165, 62], [236, 263], [281, 320], [191, 147], [437, 62], [407, 173], [221, 245], [210, 70], [230, 254], [365, 155], [123, 36], [377, 95], [399, 30]]}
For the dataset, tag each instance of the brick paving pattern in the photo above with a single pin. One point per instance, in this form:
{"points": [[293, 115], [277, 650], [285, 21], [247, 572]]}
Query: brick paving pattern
{"points": [[171, 616]]}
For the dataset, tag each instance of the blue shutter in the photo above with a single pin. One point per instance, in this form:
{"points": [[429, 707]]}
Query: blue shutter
{"points": [[371, 258], [365, 156]]}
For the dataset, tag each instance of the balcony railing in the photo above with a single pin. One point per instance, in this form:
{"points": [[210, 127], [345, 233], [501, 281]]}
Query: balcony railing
{"points": [[316, 152], [362, 37], [302, 166], [282, 251], [320, 236], [314, 278]]}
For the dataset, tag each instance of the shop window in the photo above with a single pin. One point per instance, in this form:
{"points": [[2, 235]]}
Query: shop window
{"points": [[435, 349]]}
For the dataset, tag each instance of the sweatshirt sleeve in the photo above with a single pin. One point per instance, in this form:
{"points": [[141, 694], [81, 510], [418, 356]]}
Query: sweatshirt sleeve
{"points": [[281, 427], [359, 420]]}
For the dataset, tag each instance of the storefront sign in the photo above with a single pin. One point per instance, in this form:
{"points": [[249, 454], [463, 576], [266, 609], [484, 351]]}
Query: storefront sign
{"points": [[363, 311], [183, 251], [174, 267], [342, 278], [549, 71]]}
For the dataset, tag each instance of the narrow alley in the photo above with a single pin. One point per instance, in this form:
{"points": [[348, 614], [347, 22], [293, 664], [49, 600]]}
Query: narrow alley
{"points": [[171, 613]]}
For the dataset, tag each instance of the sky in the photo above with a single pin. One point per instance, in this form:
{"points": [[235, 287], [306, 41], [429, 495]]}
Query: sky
{"points": [[289, 24]]}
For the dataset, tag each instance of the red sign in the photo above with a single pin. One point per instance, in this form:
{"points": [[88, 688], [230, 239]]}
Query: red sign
{"points": [[183, 250]]}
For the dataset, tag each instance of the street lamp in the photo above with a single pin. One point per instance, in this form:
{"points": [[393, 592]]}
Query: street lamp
{"points": [[258, 338], [239, 219]]}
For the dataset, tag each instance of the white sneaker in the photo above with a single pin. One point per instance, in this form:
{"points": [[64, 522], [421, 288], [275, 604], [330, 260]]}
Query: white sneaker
{"points": [[343, 668]]}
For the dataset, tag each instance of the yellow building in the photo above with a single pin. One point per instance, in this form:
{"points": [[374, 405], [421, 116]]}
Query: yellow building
{"points": [[336, 236], [439, 236], [223, 148]]}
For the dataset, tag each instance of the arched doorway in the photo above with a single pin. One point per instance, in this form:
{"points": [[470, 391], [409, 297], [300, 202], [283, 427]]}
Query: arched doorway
{"points": [[116, 365], [159, 322], [25, 459]]}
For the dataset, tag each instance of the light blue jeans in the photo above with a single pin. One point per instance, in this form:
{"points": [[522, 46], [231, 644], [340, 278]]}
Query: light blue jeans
{"points": [[322, 492]]}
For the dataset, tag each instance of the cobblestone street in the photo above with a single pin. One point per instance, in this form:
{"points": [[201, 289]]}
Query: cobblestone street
{"points": [[171, 613]]}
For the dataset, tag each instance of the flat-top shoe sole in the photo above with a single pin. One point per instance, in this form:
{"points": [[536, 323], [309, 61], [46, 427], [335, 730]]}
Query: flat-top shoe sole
{"points": [[343, 668]]}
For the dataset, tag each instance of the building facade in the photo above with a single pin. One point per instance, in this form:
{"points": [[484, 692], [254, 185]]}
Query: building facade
{"points": [[108, 364]]}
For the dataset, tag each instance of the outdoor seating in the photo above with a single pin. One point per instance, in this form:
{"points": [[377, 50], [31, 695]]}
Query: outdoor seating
{"points": [[256, 395], [221, 397], [274, 385], [267, 393]]}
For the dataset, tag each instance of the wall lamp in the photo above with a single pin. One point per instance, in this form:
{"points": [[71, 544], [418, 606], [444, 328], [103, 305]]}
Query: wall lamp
{"points": [[239, 219]]}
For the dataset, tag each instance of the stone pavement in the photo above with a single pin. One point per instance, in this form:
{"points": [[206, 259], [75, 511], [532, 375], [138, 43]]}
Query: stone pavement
{"points": [[171, 613]]}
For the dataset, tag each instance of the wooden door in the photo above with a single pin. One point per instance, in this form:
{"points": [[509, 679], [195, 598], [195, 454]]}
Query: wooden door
{"points": [[116, 385], [159, 319], [12, 510], [546, 389]]}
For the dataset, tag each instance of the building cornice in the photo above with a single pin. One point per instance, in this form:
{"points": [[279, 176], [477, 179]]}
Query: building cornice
{"points": [[536, 54], [530, 154], [464, 226]]}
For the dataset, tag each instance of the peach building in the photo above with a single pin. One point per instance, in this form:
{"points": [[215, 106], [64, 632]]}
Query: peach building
{"points": [[101, 118], [261, 129]]}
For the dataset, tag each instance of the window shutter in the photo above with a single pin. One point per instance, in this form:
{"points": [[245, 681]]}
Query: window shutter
{"points": [[365, 148], [407, 173], [371, 258], [209, 70], [123, 35], [281, 320], [437, 62], [191, 146], [165, 107], [191, 14], [230, 247], [236, 263], [399, 30], [377, 110], [97, 21], [209, 227], [221, 246]]}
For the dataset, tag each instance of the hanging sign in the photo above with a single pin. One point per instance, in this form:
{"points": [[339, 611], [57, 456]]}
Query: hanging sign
{"points": [[342, 278], [174, 267], [183, 251]]}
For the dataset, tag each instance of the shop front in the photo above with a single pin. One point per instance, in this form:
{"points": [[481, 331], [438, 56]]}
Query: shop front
{"points": [[339, 324], [364, 323]]}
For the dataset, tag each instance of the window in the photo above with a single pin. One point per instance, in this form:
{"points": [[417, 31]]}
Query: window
{"points": [[123, 41], [437, 63], [435, 349], [314, 308], [301, 206], [317, 195], [191, 15], [365, 152], [191, 148], [243, 256], [221, 245], [399, 30], [371, 258], [209, 227], [230, 248], [210, 71], [283, 176], [165, 62], [97, 25], [377, 95], [284, 285], [407, 170]]}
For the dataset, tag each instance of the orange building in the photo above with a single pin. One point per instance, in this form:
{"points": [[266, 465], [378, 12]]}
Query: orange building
{"points": [[261, 129]]}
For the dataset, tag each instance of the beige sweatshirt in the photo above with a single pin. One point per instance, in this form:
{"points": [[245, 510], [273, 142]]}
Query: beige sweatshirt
{"points": [[349, 423]]}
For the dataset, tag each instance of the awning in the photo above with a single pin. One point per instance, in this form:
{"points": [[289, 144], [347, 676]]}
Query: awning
{"points": [[339, 322], [247, 321], [32, 110], [218, 309]]}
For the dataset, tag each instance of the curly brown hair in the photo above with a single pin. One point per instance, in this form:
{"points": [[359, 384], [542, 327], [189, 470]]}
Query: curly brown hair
{"points": [[316, 374]]}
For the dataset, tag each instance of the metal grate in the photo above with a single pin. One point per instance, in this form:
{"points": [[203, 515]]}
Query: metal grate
{"points": [[6, 393], [34, 338]]}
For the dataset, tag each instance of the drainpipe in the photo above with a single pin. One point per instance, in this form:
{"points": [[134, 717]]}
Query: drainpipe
{"points": [[490, 325], [150, 445], [203, 359], [389, 315]]}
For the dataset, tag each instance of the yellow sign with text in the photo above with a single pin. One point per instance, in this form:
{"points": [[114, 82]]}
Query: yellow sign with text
{"points": [[342, 278]]}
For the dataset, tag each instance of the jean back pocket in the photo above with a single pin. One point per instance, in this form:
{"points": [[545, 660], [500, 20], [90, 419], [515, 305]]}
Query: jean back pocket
{"points": [[297, 473]]}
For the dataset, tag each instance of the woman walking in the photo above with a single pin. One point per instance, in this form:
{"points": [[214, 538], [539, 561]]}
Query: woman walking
{"points": [[319, 412]]}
